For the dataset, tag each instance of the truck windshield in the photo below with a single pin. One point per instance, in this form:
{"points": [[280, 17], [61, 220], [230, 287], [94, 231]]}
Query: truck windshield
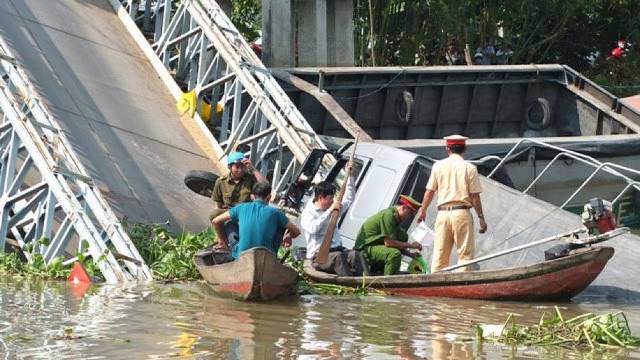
{"points": [[416, 181], [358, 164]]}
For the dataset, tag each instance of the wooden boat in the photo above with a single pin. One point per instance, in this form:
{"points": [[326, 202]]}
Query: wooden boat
{"points": [[552, 280], [257, 275]]}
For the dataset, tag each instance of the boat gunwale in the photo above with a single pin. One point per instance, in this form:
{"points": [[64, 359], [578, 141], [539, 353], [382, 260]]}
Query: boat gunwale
{"points": [[464, 278]]}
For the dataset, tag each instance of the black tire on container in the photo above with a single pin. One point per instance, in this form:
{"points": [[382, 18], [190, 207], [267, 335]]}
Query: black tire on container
{"points": [[404, 107], [538, 114], [201, 182]]}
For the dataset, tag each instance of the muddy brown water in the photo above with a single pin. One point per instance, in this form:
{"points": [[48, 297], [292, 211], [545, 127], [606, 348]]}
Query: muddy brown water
{"points": [[44, 320]]}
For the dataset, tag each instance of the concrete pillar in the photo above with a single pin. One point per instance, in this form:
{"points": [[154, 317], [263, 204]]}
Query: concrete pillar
{"points": [[320, 30], [278, 33], [340, 50], [311, 32]]}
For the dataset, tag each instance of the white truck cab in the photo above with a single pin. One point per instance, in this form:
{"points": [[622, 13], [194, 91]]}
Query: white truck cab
{"points": [[382, 174]]}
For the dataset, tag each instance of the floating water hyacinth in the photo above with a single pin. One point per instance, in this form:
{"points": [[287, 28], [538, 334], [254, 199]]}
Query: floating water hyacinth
{"points": [[586, 330], [169, 256], [15, 264]]}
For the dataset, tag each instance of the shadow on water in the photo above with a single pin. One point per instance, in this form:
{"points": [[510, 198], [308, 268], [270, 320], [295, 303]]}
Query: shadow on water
{"points": [[609, 294], [45, 320]]}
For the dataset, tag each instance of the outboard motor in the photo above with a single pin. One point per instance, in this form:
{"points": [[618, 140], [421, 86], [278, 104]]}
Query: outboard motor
{"points": [[598, 217]]}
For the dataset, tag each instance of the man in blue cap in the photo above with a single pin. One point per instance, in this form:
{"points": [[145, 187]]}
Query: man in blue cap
{"points": [[235, 188]]}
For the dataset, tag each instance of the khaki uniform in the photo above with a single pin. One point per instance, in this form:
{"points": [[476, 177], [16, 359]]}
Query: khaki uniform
{"points": [[454, 180], [229, 193]]}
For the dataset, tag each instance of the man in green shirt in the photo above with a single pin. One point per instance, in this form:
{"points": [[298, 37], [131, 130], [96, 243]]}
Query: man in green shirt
{"points": [[382, 241], [235, 187]]}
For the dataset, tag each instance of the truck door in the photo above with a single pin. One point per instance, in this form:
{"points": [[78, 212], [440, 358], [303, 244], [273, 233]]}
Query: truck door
{"points": [[377, 188], [415, 183]]}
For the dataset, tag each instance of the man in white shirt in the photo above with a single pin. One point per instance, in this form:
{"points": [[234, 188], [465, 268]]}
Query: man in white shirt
{"points": [[313, 224]]}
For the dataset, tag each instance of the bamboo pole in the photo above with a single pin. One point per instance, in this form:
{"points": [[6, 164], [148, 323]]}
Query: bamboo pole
{"points": [[323, 252], [585, 241], [373, 40]]}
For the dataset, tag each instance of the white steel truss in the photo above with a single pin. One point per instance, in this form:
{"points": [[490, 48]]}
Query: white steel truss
{"points": [[200, 49], [45, 192]]}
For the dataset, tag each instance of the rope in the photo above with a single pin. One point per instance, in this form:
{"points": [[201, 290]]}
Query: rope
{"points": [[373, 92]]}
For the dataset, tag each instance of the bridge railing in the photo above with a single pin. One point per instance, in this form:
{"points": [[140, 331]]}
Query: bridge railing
{"points": [[622, 173]]}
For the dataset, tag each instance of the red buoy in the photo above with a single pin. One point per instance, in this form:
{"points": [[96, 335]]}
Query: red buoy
{"points": [[79, 274]]}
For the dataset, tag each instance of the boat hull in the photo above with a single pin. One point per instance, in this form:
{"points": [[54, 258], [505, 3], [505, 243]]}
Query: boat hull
{"points": [[257, 275], [555, 280]]}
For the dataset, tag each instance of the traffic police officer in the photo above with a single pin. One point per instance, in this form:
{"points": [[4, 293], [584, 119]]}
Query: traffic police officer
{"points": [[458, 186]]}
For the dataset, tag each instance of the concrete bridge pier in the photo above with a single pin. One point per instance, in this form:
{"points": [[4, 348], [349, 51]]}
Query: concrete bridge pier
{"points": [[307, 33]]}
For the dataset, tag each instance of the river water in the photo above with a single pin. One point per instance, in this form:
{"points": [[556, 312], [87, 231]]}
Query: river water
{"points": [[185, 320]]}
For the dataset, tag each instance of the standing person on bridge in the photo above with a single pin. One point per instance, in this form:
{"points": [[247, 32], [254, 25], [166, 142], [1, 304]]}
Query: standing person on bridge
{"points": [[234, 188], [458, 186], [381, 239]]}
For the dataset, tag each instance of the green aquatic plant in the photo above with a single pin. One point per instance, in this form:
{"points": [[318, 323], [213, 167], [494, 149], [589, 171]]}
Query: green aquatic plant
{"points": [[169, 256], [13, 264], [586, 330]]}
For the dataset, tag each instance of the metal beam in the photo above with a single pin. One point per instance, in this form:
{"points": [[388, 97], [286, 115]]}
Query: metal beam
{"points": [[32, 192], [494, 122], [436, 126]]}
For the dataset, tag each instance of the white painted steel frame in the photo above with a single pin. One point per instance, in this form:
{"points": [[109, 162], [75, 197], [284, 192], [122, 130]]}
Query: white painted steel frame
{"points": [[613, 169], [45, 192], [198, 45]]}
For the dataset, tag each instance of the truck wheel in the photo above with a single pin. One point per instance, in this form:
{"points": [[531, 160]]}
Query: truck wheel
{"points": [[538, 115], [201, 182]]}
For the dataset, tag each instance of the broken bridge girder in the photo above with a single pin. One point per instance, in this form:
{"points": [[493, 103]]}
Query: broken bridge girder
{"points": [[45, 192], [200, 48]]}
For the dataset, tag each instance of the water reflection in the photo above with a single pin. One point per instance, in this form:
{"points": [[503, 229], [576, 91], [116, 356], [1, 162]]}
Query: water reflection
{"points": [[45, 320]]}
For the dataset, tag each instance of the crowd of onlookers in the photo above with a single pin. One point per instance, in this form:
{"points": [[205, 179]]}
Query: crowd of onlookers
{"points": [[489, 54]]}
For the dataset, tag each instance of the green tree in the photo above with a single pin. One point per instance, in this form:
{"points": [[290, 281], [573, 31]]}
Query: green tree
{"points": [[539, 31], [247, 17]]}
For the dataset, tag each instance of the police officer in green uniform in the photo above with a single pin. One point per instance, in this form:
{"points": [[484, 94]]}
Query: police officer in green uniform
{"points": [[234, 188], [382, 241]]}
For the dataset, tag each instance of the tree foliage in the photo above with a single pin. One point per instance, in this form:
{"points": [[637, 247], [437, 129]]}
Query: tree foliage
{"points": [[246, 16], [548, 31]]}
